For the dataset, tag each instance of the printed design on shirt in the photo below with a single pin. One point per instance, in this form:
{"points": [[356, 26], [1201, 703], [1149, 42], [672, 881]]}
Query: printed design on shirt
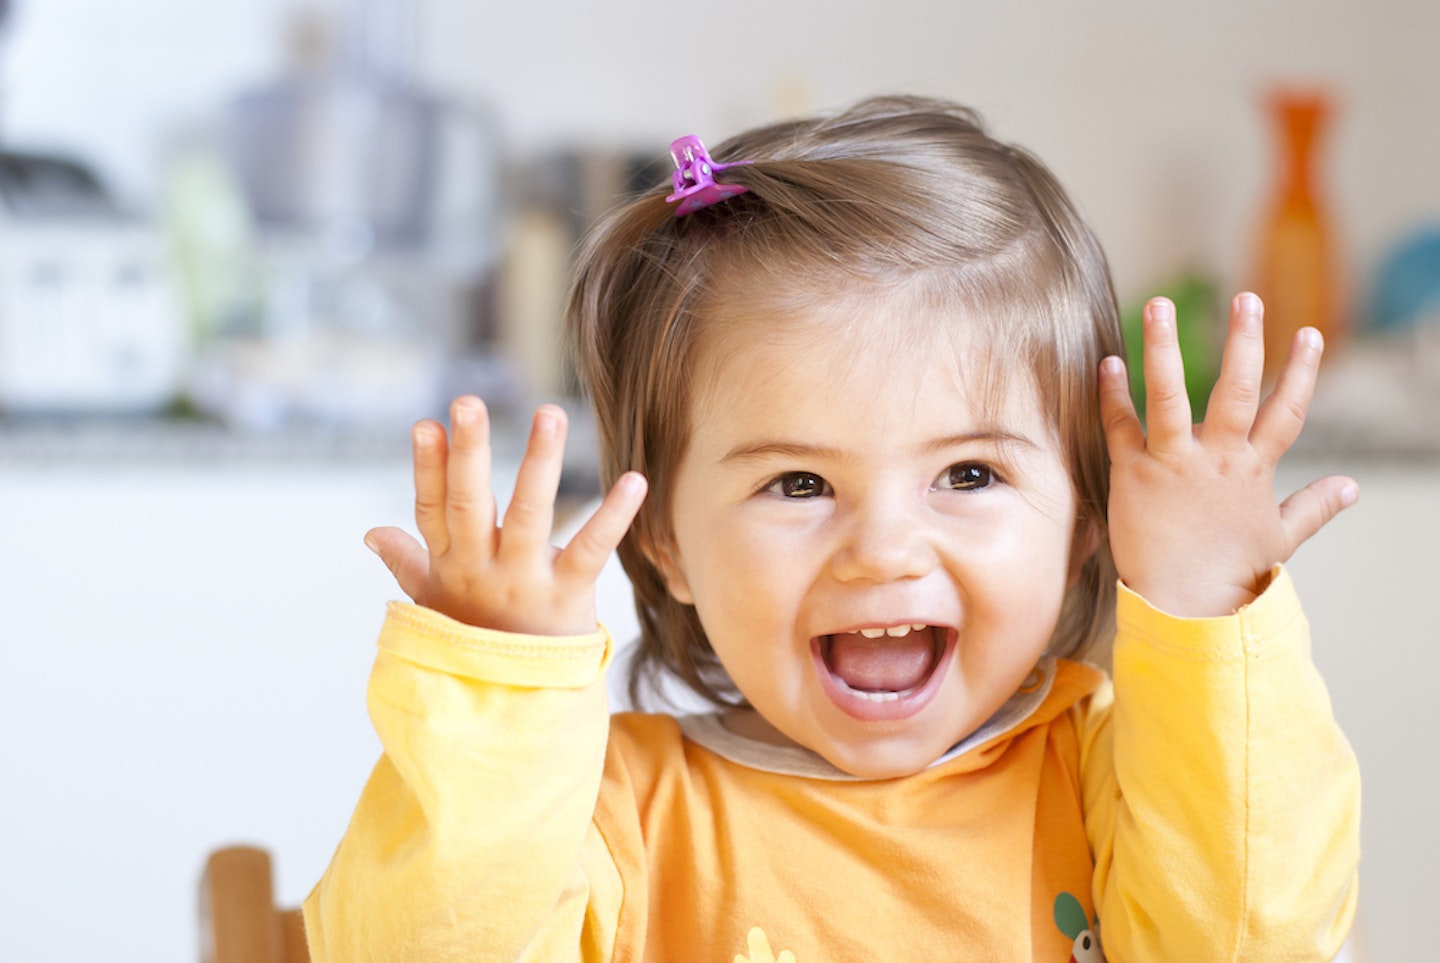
{"points": [[760, 951], [1070, 917]]}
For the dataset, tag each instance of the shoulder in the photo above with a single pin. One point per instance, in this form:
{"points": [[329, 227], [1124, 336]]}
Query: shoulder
{"points": [[643, 746]]}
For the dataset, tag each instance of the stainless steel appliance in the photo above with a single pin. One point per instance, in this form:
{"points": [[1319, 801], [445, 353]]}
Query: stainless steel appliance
{"points": [[89, 319], [376, 202]]}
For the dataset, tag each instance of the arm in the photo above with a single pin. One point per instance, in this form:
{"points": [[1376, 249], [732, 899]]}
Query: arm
{"points": [[1222, 799], [473, 835], [1222, 802]]}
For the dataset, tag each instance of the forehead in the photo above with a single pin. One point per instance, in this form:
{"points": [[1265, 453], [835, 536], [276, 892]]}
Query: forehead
{"points": [[868, 351]]}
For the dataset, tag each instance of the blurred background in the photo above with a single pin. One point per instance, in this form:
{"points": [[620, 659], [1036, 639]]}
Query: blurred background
{"points": [[245, 243]]}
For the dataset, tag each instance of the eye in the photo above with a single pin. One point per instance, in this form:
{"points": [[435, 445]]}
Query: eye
{"points": [[799, 484], [966, 477]]}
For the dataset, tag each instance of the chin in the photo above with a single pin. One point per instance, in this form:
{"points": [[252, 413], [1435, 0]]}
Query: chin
{"points": [[882, 759]]}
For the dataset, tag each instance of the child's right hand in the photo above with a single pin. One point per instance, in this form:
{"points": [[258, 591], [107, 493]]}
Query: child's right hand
{"points": [[476, 571]]}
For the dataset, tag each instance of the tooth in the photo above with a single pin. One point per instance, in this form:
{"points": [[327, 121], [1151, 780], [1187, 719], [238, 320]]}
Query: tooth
{"points": [[918, 626], [872, 633], [895, 631], [871, 696]]}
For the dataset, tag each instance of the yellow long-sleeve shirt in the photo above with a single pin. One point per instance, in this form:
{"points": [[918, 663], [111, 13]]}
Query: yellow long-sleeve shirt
{"points": [[1205, 807]]}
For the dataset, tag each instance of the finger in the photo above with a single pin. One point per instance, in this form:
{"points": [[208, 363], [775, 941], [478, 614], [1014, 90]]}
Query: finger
{"points": [[1167, 406], [406, 558], [531, 512], [427, 442], [1311, 508], [470, 500], [1121, 424], [1236, 395], [1283, 413], [590, 549]]}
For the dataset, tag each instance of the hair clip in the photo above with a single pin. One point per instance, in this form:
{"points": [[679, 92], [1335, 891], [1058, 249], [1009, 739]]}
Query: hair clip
{"points": [[694, 177]]}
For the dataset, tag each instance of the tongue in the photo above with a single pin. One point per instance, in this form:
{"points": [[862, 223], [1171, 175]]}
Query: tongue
{"points": [[881, 665]]}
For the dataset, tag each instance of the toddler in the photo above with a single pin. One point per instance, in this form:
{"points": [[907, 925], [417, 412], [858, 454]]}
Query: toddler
{"points": [[877, 481]]}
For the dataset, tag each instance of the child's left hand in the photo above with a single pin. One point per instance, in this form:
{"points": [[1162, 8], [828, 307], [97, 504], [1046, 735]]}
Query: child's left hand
{"points": [[1194, 524]]}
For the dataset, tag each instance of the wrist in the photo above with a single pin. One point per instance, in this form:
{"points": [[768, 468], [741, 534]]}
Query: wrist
{"points": [[1198, 598]]}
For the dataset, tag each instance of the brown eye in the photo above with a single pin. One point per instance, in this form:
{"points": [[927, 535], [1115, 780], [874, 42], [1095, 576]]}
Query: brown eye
{"points": [[965, 477], [799, 484]]}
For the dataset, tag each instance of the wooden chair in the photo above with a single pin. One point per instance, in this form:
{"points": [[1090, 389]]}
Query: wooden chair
{"points": [[239, 921]]}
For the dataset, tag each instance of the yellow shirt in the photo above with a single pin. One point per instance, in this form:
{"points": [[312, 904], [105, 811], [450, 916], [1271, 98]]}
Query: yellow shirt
{"points": [[1205, 807]]}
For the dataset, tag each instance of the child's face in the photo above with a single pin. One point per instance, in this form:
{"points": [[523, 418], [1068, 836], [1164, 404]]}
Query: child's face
{"points": [[833, 488]]}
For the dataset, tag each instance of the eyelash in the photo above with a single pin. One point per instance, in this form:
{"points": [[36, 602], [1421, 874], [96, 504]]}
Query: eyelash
{"points": [[802, 485]]}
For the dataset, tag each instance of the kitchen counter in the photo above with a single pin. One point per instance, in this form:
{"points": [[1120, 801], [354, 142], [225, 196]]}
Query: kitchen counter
{"points": [[81, 444], [161, 442]]}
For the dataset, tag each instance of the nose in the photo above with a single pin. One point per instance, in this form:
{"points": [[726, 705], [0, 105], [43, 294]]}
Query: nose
{"points": [[884, 541]]}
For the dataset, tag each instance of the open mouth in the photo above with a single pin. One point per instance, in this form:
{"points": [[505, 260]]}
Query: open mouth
{"points": [[883, 673]]}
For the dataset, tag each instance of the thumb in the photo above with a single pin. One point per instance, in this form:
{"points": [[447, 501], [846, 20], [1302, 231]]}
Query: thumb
{"points": [[404, 556], [1311, 508]]}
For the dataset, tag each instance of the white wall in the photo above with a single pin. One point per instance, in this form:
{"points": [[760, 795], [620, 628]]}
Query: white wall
{"points": [[113, 80], [1148, 111]]}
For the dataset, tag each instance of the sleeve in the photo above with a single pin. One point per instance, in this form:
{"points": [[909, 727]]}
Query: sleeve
{"points": [[1222, 801], [473, 837]]}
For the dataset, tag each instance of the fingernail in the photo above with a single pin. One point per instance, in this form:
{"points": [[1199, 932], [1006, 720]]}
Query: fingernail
{"points": [[463, 415], [1313, 338], [1248, 303], [1162, 310], [1349, 495], [1112, 365], [370, 544]]}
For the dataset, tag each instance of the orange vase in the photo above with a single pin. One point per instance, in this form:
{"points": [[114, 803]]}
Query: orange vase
{"points": [[1295, 273]]}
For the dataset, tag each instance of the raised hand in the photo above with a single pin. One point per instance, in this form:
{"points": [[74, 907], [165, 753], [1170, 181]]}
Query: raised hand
{"points": [[508, 577], [1194, 524]]}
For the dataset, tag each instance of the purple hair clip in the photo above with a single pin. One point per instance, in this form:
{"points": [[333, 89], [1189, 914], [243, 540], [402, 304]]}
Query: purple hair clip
{"points": [[694, 177]]}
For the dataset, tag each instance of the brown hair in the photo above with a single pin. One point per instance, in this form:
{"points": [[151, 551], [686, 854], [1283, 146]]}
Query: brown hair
{"points": [[894, 190]]}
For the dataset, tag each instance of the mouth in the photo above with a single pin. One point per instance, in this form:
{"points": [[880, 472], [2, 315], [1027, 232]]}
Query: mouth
{"points": [[882, 673]]}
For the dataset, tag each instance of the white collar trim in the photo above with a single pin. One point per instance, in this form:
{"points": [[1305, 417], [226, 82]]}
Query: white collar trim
{"points": [[707, 730]]}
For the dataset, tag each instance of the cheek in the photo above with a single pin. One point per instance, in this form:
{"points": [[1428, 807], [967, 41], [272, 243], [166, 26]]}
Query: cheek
{"points": [[737, 581], [1014, 575], [1035, 549], [750, 591], [731, 552]]}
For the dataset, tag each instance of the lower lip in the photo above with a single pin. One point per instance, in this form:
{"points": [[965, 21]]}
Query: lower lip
{"points": [[868, 710]]}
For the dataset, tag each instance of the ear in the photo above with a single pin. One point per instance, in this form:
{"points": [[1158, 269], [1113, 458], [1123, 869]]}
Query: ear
{"points": [[1084, 543], [666, 559]]}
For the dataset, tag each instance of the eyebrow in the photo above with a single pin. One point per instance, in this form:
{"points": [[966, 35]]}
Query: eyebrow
{"points": [[790, 449]]}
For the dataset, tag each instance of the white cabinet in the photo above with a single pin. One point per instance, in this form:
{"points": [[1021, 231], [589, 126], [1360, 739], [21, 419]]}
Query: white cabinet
{"points": [[183, 654], [1370, 582]]}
